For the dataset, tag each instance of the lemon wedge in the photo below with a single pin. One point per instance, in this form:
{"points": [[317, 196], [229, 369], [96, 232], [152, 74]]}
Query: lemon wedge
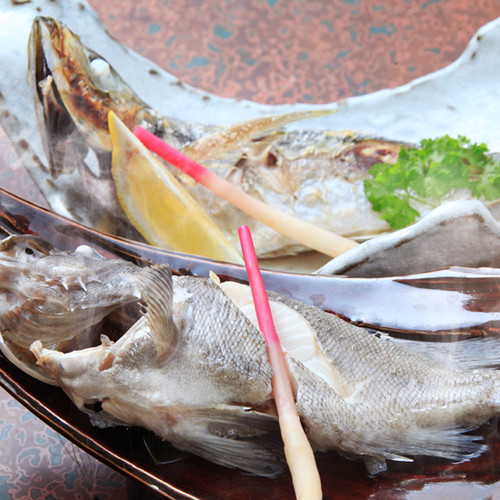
{"points": [[157, 204]]}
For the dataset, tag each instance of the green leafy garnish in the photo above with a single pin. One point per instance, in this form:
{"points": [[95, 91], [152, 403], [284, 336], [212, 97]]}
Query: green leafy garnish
{"points": [[427, 174]]}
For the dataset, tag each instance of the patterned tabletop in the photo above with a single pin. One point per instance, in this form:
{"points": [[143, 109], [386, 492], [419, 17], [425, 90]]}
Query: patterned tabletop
{"points": [[270, 51]]}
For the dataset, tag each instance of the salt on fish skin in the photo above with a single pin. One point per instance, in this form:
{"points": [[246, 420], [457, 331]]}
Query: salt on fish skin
{"points": [[385, 402], [313, 175]]}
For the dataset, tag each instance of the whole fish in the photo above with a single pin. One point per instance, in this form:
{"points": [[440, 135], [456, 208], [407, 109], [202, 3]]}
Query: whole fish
{"points": [[407, 113], [195, 371], [314, 175], [55, 296]]}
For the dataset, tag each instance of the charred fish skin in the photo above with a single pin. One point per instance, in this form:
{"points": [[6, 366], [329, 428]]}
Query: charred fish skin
{"points": [[191, 380], [74, 88], [314, 175], [68, 77], [75, 182]]}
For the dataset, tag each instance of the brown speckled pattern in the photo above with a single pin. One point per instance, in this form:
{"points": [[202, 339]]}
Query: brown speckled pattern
{"points": [[275, 51], [13, 175], [270, 51]]}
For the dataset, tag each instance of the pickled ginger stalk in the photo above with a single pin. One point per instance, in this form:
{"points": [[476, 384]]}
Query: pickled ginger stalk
{"points": [[308, 234], [298, 451]]}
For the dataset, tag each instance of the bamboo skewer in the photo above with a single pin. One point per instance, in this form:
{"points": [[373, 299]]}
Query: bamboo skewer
{"points": [[308, 234]]}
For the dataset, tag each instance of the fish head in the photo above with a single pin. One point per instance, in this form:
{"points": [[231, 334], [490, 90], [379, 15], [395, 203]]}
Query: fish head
{"points": [[78, 84], [54, 295], [74, 88], [24, 248]]}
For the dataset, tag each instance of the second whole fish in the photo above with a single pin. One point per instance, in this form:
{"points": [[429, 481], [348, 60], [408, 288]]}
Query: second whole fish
{"points": [[316, 176], [194, 370]]}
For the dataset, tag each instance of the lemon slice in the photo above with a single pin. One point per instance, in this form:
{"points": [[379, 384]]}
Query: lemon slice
{"points": [[157, 205]]}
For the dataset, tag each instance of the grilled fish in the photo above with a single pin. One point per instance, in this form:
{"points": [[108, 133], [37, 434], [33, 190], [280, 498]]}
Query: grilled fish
{"points": [[195, 367], [178, 376], [55, 296], [314, 175]]}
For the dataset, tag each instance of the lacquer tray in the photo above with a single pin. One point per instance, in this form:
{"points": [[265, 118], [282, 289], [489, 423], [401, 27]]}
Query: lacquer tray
{"points": [[187, 476]]}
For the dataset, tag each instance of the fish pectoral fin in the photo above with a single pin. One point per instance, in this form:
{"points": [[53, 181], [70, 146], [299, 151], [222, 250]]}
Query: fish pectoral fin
{"points": [[155, 284], [232, 138], [232, 436]]}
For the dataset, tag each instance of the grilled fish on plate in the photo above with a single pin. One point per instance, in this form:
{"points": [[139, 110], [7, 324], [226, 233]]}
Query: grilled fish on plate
{"points": [[194, 370], [401, 109], [314, 175]]}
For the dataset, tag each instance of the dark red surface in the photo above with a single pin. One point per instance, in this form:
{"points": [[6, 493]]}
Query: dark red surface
{"points": [[276, 51]]}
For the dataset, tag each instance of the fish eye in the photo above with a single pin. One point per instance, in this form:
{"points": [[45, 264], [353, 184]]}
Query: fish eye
{"points": [[100, 67], [105, 74]]}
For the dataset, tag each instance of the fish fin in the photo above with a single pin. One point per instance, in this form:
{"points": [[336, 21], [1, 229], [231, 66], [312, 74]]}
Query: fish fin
{"points": [[232, 138], [232, 436], [374, 465], [448, 442], [471, 354], [156, 288], [24, 360]]}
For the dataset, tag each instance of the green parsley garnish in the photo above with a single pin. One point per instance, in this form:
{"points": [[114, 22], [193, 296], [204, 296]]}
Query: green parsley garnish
{"points": [[427, 174]]}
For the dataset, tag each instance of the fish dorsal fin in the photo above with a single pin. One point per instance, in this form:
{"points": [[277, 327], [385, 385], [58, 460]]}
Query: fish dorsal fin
{"points": [[470, 354], [156, 287], [220, 143]]}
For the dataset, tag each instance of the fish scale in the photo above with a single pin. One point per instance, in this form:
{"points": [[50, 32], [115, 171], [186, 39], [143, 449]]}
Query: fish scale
{"points": [[399, 403], [273, 165], [218, 330], [387, 400]]}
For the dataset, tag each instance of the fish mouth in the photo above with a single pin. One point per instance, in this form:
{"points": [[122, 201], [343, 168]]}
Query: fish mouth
{"points": [[72, 101], [65, 145], [74, 89]]}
